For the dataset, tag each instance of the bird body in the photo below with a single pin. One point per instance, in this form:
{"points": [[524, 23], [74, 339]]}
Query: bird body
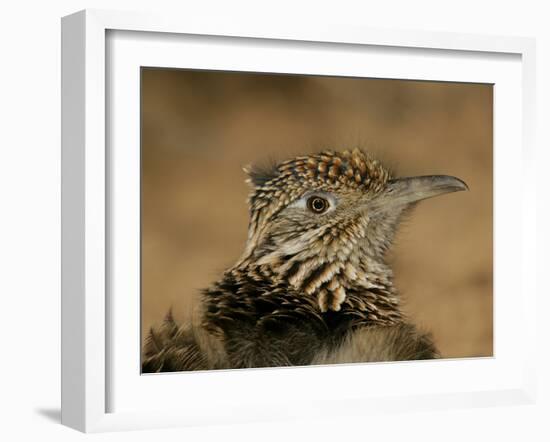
{"points": [[313, 285]]}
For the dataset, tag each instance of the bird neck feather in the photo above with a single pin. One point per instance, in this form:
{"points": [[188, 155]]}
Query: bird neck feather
{"points": [[358, 285]]}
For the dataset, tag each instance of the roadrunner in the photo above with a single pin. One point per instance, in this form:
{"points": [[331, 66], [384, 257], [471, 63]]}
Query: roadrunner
{"points": [[313, 285]]}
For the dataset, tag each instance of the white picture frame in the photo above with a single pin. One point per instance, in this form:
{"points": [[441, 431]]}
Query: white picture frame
{"points": [[88, 201]]}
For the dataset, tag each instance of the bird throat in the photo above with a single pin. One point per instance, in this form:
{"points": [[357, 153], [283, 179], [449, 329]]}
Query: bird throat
{"points": [[360, 285]]}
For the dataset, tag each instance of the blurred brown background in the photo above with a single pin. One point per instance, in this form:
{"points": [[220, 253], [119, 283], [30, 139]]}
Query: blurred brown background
{"points": [[199, 129]]}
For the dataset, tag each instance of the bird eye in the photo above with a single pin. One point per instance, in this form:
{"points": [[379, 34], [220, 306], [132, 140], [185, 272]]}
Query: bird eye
{"points": [[317, 204]]}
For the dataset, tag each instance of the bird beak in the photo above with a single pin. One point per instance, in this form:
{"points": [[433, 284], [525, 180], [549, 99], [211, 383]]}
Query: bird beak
{"points": [[401, 192]]}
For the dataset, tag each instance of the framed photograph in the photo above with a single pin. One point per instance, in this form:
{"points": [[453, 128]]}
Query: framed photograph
{"points": [[264, 222]]}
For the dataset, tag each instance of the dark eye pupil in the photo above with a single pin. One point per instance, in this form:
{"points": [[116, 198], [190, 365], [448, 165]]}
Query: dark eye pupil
{"points": [[317, 204]]}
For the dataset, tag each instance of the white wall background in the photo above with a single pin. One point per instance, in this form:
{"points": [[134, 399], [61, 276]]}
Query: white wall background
{"points": [[30, 215]]}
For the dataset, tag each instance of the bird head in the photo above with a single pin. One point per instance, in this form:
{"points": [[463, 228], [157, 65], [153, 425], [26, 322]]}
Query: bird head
{"points": [[323, 223]]}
